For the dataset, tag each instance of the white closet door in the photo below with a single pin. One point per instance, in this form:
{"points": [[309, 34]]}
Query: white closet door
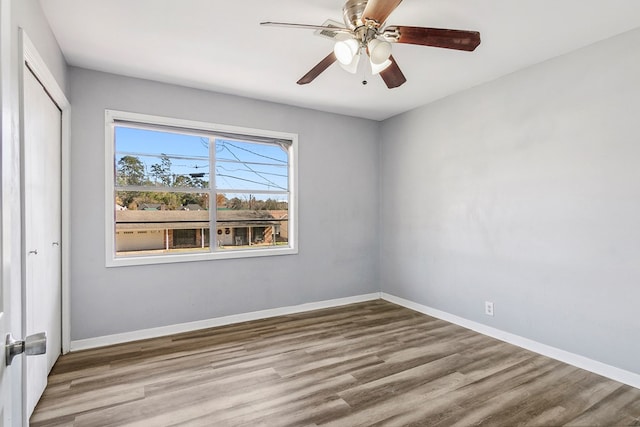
{"points": [[42, 230]]}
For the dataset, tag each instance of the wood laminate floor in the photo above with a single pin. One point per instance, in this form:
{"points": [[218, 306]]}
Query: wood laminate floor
{"points": [[371, 363]]}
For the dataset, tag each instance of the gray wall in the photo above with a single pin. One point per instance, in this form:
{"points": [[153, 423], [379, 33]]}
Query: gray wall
{"points": [[525, 192], [338, 215]]}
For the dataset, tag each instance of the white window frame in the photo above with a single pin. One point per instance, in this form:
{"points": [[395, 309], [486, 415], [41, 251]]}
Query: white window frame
{"points": [[114, 116]]}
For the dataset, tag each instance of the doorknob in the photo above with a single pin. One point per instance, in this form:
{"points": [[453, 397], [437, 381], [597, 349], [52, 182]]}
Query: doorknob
{"points": [[32, 345]]}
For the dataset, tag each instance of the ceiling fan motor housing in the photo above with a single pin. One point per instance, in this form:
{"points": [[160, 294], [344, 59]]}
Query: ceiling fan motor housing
{"points": [[352, 13]]}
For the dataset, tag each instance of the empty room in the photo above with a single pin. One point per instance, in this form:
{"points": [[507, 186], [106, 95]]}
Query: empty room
{"points": [[320, 213]]}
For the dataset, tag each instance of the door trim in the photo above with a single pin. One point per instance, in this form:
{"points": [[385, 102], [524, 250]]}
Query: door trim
{"points": [[32, 58]]}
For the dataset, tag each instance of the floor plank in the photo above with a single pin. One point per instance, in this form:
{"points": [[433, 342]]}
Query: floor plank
{"points": [[371, 363]]}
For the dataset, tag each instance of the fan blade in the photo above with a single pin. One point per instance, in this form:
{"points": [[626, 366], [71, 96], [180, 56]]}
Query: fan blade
{"points": [[437, 37], [379, 10], [307, 27], [392, 75], [318, 69]]}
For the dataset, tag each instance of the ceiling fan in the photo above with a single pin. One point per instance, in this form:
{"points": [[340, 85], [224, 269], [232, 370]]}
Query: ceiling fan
{"points": [[364, 31]]}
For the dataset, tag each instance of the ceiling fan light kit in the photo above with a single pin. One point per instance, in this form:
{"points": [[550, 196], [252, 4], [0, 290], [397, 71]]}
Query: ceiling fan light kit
{"points": [[378, 68], [346, 50], [352, 67], [379, 51], [364, 32]]}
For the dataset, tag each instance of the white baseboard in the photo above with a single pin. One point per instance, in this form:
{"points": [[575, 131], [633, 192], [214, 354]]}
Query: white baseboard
{"points": [[616, 374], [210, 323]]}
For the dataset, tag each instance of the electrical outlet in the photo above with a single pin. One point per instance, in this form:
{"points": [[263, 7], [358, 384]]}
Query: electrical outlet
{"points": [[488, 308]]}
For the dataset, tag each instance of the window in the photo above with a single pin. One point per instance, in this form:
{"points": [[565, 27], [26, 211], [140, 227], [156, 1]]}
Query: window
{"points": [[180, 190]]}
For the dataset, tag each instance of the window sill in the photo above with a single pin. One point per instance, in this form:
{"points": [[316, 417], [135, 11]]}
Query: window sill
{"points": [[193, 257]]}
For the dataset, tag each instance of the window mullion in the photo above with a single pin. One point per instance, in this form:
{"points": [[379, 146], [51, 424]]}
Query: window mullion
{"points": [[213, 196]]}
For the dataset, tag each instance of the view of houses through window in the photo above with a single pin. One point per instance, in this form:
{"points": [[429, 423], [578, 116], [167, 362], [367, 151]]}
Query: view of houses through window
{"points": [[189, 191]]}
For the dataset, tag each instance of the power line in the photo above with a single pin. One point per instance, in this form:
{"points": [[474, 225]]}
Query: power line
{"points": [[247, 170], [253, 152], [247, 180], [255, 172]]}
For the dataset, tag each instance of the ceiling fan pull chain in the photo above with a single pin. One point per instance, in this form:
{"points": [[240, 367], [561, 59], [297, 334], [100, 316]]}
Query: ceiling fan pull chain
{"points": [[364, 76]]}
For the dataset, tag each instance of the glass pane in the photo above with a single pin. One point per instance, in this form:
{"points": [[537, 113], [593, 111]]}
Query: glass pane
{"points": [[251, 221], [153, 223], [251, 166], [161, 159]]}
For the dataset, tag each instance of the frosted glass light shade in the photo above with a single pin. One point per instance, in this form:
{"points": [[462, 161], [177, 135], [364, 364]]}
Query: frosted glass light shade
{"points": [[377, 68], [379, 51], [345, 51], [353, 66]]}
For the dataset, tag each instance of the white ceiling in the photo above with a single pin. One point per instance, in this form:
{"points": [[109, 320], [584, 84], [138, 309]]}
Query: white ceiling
{"points": [[218, 45]]}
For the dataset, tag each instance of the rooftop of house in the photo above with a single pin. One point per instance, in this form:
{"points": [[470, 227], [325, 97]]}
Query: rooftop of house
{"points": [[187, 219]]}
